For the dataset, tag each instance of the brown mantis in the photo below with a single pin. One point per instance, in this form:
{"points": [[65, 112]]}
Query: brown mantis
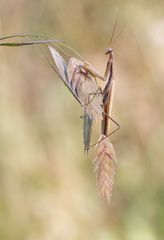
{"points": [[80, 78]]}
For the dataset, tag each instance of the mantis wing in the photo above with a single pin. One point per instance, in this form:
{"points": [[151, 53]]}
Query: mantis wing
{"points": [[62, 70], [60, 63], [84, 88]]}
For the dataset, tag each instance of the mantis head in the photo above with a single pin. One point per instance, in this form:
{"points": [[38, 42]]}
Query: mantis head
{"points": [[108, 51]]}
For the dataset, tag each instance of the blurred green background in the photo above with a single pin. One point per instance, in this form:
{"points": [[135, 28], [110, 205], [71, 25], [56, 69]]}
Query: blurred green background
{"points": [[47, 185]]}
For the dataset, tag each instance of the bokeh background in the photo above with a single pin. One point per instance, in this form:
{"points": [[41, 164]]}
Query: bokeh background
{"points": [[47, 185]]}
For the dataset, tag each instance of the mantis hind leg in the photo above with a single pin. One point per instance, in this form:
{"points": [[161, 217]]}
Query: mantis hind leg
{"points": [[116, 123], [115, 130], [98, 92]]}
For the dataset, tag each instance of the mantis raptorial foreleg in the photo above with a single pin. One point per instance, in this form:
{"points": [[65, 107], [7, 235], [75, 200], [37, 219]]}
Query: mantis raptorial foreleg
{"points": [[92, 71]]}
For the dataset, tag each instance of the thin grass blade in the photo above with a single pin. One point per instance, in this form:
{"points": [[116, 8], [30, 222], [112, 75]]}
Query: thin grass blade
{"points": [[17, 44]]}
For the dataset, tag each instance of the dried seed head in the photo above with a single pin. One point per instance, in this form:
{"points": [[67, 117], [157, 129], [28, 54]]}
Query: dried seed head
{"points": [[104, 167]]}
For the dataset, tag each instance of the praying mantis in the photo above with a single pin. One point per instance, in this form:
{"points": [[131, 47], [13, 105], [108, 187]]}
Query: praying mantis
{"points": [[80, 77]]}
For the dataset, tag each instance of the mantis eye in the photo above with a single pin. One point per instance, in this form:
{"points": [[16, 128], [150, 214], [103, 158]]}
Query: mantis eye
{"points": [[82, 69]]}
